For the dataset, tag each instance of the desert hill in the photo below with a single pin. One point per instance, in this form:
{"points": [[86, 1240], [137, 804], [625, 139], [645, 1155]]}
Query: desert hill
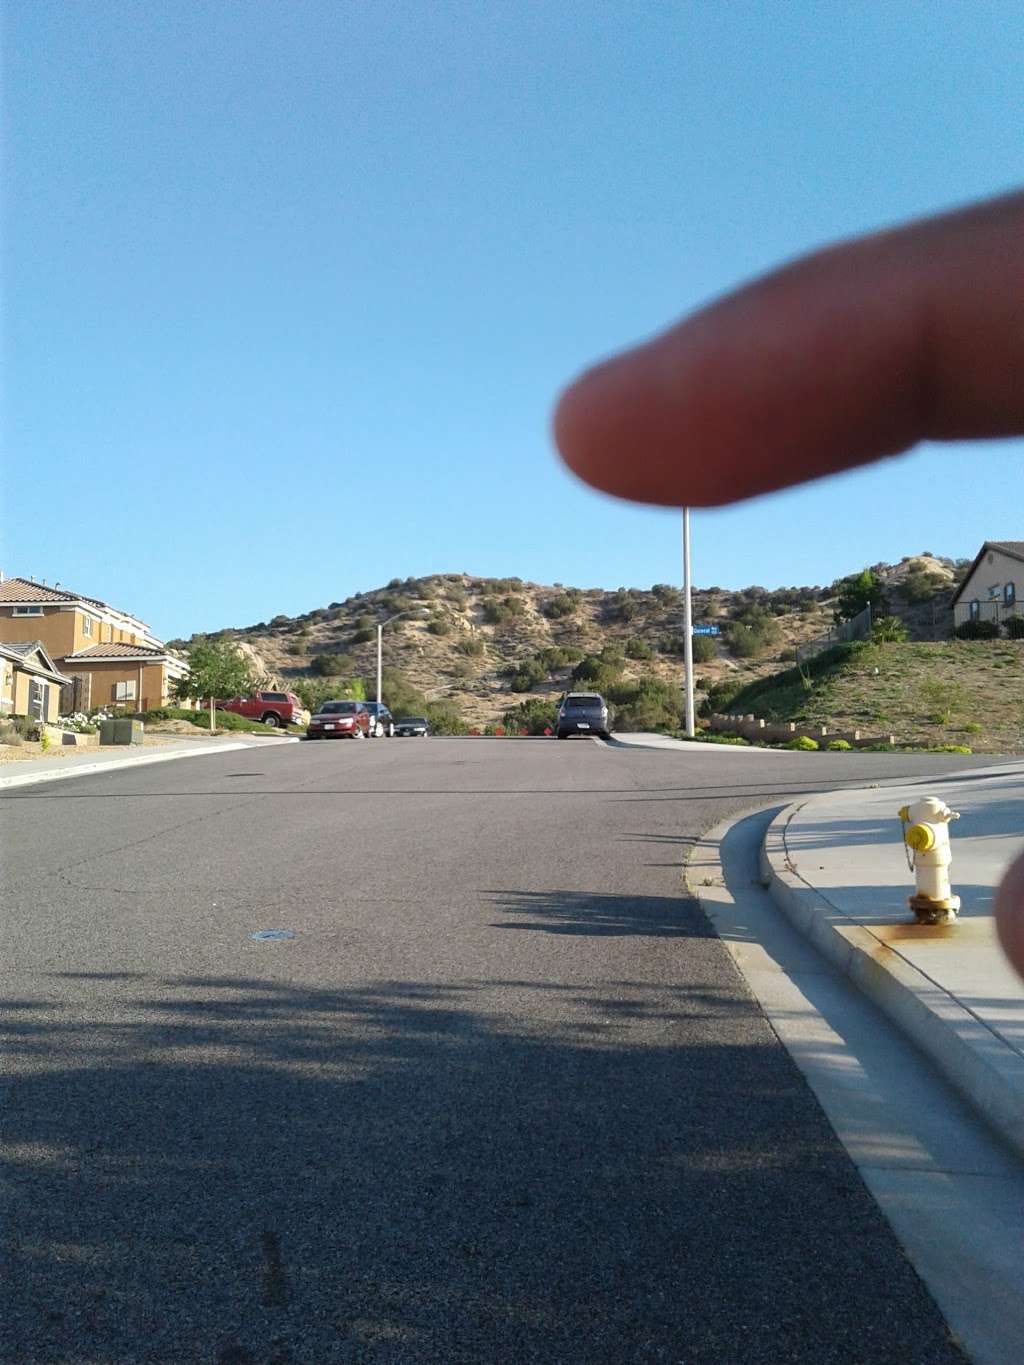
{"points": [[485, 644]]}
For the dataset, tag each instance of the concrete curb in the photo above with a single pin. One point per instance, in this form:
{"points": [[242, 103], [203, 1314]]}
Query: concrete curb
{"points": [[981, 1065], [134, 761]]}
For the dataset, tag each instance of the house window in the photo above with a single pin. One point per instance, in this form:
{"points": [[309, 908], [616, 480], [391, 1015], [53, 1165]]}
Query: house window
{"points": [[974, 608], [1009, 594], [124, 691], [37, 699], [86, 625], [28, 611]]}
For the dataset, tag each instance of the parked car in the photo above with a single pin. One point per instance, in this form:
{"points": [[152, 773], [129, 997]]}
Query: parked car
{"points": [[272, 708], [382, 723], [412, 725], [583, 713], [340, 720]]}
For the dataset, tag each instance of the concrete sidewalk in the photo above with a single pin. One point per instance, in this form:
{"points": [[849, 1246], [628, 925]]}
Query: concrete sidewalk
{"points": [[86, 762], [836, 865], [652, 740]]}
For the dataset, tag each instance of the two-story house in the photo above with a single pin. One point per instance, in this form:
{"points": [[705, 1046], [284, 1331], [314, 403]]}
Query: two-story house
{"points": [[112, 658], [994, 587]]}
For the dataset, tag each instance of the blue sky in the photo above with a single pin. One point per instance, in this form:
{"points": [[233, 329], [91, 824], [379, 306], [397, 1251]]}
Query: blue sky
{"points": [[291, 288]]}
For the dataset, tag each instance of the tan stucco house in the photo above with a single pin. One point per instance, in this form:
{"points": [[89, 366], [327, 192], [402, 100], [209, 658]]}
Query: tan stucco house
{"points": [[994, 587], [30, 684], [107, 656]]}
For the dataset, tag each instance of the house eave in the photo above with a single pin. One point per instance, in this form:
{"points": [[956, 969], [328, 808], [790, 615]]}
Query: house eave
{"points": [[988, 545]]}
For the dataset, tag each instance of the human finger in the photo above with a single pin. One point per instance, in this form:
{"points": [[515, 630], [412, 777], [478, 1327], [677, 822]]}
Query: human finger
{"points": [[846, 356]]}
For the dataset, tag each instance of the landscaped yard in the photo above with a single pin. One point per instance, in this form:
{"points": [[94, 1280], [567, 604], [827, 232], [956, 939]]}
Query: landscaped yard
{"points": [[963, 692]]}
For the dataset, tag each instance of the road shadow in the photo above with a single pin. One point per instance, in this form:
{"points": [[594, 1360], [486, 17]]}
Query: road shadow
{"points": [[602, 913], [248, 1172]]}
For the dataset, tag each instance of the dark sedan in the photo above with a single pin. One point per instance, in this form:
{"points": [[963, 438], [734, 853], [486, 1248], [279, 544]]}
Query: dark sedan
{"points": [[412, 725], [583, 713]]}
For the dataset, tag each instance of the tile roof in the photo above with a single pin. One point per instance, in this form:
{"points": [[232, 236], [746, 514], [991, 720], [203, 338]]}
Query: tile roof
{"points": [[24, 590], [118, 650], [22, 649]]}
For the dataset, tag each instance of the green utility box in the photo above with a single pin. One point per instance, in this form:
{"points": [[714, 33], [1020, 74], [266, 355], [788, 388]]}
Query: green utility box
{"points": [[120, 731]]}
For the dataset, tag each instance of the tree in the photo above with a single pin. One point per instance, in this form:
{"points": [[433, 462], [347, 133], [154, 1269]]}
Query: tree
{"points": [[216, 669], [313, 693], [856, 592]]}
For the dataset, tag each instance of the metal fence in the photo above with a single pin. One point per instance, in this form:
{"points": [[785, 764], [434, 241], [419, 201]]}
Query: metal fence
{"points": [[991, 609], [857, 628]]}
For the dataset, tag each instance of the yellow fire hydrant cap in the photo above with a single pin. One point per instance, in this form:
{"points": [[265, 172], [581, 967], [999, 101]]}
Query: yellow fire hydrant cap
{"points": [[921, 838]]}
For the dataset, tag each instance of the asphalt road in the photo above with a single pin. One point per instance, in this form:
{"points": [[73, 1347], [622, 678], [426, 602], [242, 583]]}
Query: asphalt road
{"points": [[502, 1097]]}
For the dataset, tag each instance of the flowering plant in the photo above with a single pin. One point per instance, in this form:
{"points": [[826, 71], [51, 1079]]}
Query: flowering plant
{"points": [[80, 723]]}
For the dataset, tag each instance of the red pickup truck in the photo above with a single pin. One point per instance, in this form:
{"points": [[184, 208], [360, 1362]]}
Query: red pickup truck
{"points": [[272, 708]]}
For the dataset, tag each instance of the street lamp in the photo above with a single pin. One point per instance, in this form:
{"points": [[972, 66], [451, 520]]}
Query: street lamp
{"points": [[412, 611], [687, 623]]}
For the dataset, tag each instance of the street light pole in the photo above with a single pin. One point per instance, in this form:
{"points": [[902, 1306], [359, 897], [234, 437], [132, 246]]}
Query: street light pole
{"points": [[687, 623], [413, 611], [380, 657]]}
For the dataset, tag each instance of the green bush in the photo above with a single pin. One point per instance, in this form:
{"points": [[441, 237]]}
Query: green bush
{"points": [[330, 665], [802, 742], [621, 608], [596, 672], [559, 656], [472, 645], [838, 745], [444, 718], [950, 749], [362, 635], [638, 649], [1015, 628], [559, 606], [747, 641], [977, 630], [714, 737], [439, 625], [295, 651], [535, 715], [527, 676], [720, 696], [704, 649], [649, 703], [494, 612], [922, 585], [397, 693]]}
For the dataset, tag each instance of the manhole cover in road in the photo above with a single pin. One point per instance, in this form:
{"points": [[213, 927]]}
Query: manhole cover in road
{"points": [[264, 934]]}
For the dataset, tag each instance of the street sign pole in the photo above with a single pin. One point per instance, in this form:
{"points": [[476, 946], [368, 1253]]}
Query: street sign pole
{"points": [[687, 623]]}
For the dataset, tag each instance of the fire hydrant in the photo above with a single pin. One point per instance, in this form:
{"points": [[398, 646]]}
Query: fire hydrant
{"points": [[926, 839]]}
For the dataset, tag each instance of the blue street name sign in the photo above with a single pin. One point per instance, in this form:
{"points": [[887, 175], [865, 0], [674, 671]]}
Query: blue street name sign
{"points": [[706, 630]]}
